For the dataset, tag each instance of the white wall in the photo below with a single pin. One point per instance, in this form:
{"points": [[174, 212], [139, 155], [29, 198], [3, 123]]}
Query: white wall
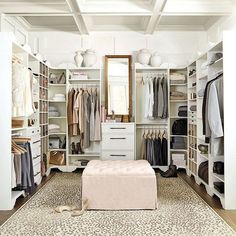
{"points": [[215, 33], [175, 47], [10, 24]]}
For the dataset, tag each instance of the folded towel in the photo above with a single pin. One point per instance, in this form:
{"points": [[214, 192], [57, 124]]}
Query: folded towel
{"points": [[177, 93], [183, 113], [183, 108], [52, 108], [177, 81], [54, 114], [53, 126]]}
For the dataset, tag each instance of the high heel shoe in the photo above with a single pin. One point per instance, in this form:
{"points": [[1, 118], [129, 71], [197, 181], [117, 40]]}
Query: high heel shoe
{"points": [[79, 148]]}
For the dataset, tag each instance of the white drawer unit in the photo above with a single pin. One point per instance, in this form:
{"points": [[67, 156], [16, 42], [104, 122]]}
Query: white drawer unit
{"points": [[34, 134], [118, 141]]}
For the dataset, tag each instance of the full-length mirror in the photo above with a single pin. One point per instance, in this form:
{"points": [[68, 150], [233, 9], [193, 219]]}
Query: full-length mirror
{"points": [[118, 84]]}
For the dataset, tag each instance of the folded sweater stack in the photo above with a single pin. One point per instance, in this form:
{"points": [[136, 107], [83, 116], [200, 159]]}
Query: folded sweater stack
{"points": [[177, 78], [53, 112], [176, 95], [183, 111]]}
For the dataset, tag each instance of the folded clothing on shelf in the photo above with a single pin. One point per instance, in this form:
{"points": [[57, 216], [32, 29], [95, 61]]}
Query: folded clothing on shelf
{"points": [[203, 171], [177, 78], [178, 143], [53, 128], [179, 127], [53, 112], [182, 113], [183, 108], [176, 95], [59, 97], [213, 57], [219, 186], [178, 159]]}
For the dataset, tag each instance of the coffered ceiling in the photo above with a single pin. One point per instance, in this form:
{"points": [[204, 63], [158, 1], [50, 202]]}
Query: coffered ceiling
{"points": [[147, 16]]}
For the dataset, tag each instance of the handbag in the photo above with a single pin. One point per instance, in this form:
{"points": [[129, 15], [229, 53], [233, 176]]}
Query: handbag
{"points": [[57, 158]]}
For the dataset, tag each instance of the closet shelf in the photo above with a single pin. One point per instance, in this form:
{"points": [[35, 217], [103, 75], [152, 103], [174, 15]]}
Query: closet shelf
{"points": [[219, 61], [192, 160], [204, 155], [43, 100], [43, 112], [192, 173], [185, 84], [202, 181], [203, 77], [179, 150], [178, 136], [193, 99], [45, 136], [56, 149], [178, 117], [58, 117], [84, 68], [61, 133], [173, 101], [57, 101], [17, 129], [84, 80], [85, 155], [153, 123], [220, 195], [220, 177], [43, 124], [57, 85], [192, 136], [193, 75], [194, 149]]}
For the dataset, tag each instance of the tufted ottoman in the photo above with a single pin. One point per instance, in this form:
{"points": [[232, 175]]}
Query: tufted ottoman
{"points": [[117, 185]]}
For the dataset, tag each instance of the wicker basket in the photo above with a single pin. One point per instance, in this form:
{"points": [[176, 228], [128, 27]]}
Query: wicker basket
{"points": [[17, 123]]}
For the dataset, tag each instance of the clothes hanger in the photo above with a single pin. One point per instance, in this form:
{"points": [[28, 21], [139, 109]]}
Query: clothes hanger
{"points": [[17, 147]]}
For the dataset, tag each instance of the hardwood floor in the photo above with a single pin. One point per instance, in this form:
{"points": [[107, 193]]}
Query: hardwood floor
{"points": [[4, 215], [228, 215]]}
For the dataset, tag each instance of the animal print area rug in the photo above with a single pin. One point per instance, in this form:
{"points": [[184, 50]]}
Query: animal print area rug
{"points": [[180, 212]]}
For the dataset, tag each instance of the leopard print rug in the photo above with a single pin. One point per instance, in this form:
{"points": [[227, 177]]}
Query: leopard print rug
{"points": [[180, 212]]}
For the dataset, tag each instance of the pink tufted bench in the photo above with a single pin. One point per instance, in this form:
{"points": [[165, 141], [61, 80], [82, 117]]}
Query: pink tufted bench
{"points": [[117, 185]]}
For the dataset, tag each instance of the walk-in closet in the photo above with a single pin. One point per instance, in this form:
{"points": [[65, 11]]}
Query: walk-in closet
{"points": [[119, 112]]}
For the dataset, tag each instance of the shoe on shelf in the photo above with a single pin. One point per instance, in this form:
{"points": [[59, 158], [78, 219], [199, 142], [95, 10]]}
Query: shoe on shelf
{"points": [[79, 148], [73, 148], [171, 172]]}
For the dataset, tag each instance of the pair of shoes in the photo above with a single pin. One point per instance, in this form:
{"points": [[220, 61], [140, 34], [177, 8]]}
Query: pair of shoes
{"points": [[76, 149], [171, 172]]}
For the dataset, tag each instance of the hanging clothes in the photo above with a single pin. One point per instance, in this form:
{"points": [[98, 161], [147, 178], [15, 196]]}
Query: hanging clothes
{"points": [[97, 125], [165, 98], [70, 107], [154, 149], [160, 99], [212, 113], [155, 89], [75, 114], [22, 94], [87, 110]]}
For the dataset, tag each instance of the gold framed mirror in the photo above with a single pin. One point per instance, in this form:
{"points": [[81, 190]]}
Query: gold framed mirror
{"points": [[118, 85]]}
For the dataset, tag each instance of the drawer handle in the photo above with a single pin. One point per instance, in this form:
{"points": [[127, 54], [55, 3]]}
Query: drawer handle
{"points": [[117, 128], [36, 157], [118, 155], [117, 138]]}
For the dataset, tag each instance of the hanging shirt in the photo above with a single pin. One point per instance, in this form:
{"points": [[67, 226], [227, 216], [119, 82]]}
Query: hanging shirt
{"points": [[146, 100], [160, 99], [215, 116]]}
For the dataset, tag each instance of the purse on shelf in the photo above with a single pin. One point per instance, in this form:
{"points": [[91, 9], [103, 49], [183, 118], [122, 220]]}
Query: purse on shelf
{"points": [[57, 158], [55, 142]]}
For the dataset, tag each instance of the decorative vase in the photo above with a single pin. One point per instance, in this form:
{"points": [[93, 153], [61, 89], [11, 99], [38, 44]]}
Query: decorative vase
{"points": [[144, 56], [155, 60], [90, 58], [78, 58], [203, 148]]}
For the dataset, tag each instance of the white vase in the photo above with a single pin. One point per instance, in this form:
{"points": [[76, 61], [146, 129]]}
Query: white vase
{"points": [[78, 58], [144, 56], [155, 60], [90, 58]]}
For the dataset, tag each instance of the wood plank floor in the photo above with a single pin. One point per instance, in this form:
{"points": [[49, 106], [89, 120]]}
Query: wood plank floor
{"points": [[228, 216]]}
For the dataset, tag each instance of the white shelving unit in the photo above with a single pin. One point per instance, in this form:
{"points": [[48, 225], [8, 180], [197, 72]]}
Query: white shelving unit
{"points": [[7, 50], [140, 121]]}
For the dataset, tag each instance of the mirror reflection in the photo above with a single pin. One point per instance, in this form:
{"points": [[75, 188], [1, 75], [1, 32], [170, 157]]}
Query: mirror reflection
{"points": [[118, 86]]}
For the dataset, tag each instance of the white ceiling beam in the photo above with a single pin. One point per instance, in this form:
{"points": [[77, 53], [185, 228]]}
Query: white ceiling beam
{"points": [[195, 13], [38, 14], [33, 7], [79, 20], [156, 16]]}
